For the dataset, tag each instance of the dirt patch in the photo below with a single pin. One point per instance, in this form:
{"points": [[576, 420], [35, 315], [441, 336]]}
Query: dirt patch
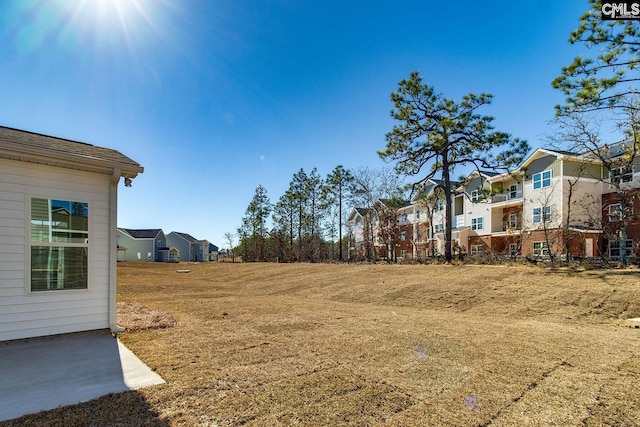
{"points": [[134, 316]]}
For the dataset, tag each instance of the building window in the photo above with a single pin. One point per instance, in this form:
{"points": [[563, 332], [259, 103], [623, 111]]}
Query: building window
{"points": [[513, 191], [359, 223], [439, 205], [476, 249], [403, 217], [477, 195], [614, 248], [537, 214], [615, 212], [513, 221], [403, 235], [59, 232], [476, 223], [438, 228], [540, 248], [417, 214], [622, 174], [541, 180], [403, 253]]}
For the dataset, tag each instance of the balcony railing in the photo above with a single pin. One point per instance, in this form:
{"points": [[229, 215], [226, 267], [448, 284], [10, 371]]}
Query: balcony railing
{"points": [[459, 221], [505, 197]]}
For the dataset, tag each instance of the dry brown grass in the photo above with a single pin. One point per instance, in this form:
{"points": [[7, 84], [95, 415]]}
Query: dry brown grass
{"points": [[315, 345]]}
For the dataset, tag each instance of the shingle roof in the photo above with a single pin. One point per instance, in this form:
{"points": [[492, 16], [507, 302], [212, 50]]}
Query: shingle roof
{"points": [[53, 145], [148, 233], [186, 236]]}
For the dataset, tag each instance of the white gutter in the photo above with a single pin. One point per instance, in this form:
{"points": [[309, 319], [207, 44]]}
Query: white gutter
{"points": [[113, 251]]}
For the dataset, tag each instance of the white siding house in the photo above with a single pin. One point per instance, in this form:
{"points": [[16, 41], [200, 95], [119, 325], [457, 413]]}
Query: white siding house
{"points": [[58, 206]]}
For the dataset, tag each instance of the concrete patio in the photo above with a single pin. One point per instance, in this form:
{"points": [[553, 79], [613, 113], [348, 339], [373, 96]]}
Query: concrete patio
{"points": [[44, 373]]}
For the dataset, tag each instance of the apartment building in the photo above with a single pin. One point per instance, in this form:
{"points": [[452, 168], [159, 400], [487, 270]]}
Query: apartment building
{"points": [[554, 200]]}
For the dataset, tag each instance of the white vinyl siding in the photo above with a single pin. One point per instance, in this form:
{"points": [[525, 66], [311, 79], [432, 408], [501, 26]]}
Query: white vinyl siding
{"points": [[23, 313]]}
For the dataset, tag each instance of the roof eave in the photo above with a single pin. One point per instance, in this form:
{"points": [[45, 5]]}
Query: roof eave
{"points": [[49, 157]]}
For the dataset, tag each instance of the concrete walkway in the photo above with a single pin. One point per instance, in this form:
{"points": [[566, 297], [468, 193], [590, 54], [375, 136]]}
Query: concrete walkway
{"points": [[48, 372]]}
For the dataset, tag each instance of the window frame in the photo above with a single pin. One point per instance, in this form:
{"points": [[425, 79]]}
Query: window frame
{"points": [[31, 244], [543, 248], [477, 195], [542, 179], [615, 245], [477, 250], [477, 223], [542, 210], [622, 174]]}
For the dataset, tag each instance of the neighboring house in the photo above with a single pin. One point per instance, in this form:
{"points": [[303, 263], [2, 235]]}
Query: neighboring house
{"points": [[143, 245], [192, 249], [213, 252], [58, 204]]}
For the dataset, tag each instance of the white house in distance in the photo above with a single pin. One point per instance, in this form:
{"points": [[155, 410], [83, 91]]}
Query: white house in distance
{"points": [[58, 209]]}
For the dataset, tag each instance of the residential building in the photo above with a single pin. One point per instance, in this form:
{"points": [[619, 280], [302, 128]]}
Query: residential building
{"points": [[553, 200], [144, 245], [58, 204], [192, 249]]}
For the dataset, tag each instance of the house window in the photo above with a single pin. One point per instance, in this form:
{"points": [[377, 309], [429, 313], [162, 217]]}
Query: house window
{"points": [[615, 212], [537, 214], [418, 214], [477, 195], [440, 205], [513, 221], [541, 180], [403, 253], [438, 228], [540, 248], [513, 191], [403, 217], [614, 248], [59, 232], [622, 174], [403, 235], [476, 249], [476, 223]]}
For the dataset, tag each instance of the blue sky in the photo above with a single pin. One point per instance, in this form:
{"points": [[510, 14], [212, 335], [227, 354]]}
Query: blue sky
{"points": [[216, 97]]}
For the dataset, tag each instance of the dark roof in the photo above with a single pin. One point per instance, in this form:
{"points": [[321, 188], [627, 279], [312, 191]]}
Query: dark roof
{"points": [[186, 236], [149, 233], [61, 145], [490, 173]]}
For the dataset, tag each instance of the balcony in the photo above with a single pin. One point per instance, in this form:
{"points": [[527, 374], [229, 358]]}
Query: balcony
{"points": [[458, 221], [507, 197]]}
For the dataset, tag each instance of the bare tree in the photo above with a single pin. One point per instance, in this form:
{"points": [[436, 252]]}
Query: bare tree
{"points": [[230, 240]]}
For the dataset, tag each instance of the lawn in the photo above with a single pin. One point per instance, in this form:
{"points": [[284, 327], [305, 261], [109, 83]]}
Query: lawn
{"points": [[380, 345]]}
